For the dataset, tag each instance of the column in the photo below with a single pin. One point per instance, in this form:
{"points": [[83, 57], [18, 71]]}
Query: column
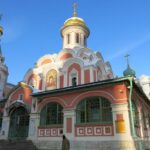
{"points": [[121, 122], [91, 75], [33, 126], [34, 120], [69, 122], [5, 127]]}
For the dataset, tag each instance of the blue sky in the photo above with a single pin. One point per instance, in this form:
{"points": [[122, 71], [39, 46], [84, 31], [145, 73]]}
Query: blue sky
{"points": [[32, 29]]}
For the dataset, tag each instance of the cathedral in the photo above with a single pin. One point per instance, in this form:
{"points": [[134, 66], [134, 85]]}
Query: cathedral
{"points": [[74, 93]]}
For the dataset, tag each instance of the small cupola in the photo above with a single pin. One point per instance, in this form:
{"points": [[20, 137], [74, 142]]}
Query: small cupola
{"points": [[74, 32], [129, 71]]}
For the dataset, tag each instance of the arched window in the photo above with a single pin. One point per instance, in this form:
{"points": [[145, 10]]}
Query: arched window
{"points": [[85, 43], [94, 109], [77, 37], [51, 114], [68, 38], [73, 78]]}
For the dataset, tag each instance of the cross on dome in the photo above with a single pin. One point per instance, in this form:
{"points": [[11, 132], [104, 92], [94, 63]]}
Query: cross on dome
{"points": [[75, 10]]}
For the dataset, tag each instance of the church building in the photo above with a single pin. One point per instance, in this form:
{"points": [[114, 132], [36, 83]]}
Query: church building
{"points": [[75, 93]]}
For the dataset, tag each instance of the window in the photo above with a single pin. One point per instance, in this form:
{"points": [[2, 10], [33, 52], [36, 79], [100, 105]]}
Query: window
{"points": [[74, 81], [20, 96], [144, 119], [85, 41], [73, 78], [135, 114], [77, 37], [51, 114], [94, 109], [68, 38]]}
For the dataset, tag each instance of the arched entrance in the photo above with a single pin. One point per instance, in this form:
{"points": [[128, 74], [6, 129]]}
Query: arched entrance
{"points": [[19, 123]]}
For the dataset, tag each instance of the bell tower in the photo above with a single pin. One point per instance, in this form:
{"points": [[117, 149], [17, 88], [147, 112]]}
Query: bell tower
{"points": [[3, 68]]}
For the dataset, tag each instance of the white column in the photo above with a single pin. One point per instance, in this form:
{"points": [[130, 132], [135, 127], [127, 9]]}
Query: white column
{"points": [[64, 40], [65, 78], [122, 109], [82, 39], [34, 120], [69, 119], [91, 75], [5, 127], [33, 126], [82, 75]]}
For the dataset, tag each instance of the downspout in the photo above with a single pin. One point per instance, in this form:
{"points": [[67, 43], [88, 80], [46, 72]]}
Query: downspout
{"points": [[130, 107], [131, 113]]}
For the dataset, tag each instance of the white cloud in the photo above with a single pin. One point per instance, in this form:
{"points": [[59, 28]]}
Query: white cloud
{"points": [[131, 47]]}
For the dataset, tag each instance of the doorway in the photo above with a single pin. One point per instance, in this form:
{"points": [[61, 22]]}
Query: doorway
{"points": [[19, 123]]}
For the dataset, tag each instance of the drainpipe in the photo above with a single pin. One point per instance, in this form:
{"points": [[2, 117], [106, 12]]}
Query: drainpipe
{"points": [[130, 106], [131, 112]]}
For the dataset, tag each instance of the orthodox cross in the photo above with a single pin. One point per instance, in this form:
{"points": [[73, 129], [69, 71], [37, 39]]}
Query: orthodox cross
{"points": [[75, 10]]}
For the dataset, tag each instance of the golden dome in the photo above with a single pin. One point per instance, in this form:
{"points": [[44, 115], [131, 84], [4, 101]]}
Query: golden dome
{"points": [[74, 21], [1, 30]]}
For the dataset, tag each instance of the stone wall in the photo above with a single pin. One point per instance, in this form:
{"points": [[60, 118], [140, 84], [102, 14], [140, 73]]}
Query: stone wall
{"points": [[88, 145]]}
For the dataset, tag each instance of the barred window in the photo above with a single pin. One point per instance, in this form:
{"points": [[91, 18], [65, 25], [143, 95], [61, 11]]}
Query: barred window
{"points": [[51, 114], [144, 120], [135, 114], [94, 109]]}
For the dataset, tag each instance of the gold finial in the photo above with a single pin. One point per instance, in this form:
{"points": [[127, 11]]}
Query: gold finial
{"points": [[75, 10]]}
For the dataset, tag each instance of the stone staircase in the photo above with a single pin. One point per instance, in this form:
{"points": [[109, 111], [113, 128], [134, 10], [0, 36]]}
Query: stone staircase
{"points": [[17, 145]]}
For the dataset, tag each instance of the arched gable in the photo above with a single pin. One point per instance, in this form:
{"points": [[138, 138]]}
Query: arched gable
{"points": [[84, 95], [49, 100]]}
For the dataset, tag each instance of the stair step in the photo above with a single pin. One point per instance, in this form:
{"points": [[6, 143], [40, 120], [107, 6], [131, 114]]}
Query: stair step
{"points": [[17, 145]]}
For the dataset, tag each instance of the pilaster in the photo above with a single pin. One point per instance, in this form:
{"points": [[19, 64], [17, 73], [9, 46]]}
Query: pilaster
{"points": [[121, 122], [5, 127], [69, 123]]}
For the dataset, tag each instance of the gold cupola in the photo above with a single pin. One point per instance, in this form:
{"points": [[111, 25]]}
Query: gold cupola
{"points": [[74, 31]]}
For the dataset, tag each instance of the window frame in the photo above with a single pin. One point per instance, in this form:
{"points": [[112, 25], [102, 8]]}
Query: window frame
{"points": [[88, 117], [57, 115]]}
